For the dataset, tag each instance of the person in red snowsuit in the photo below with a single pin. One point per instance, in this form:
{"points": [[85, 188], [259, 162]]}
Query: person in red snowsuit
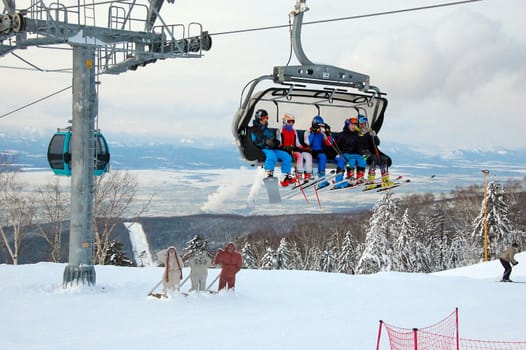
{"points": [[230, 261]]}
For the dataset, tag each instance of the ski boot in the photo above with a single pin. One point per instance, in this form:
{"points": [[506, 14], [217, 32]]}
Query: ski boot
{"points": [[342, 184], [360, 176], [324, 183], [287, 180], [370, 181], [349, 173], [385, 181]]}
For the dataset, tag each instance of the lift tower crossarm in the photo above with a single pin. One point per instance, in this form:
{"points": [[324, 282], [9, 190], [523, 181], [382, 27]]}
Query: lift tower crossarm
{"points": [[75, 33]]}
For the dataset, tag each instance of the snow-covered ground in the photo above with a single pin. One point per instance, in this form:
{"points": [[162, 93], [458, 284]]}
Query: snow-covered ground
{"points": [[269, 309]]}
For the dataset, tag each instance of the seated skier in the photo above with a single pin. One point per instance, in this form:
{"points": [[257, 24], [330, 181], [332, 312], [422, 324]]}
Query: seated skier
{"points": [[374, 157], [265, 138], [348, 142], [288, 138], [316, 137]]}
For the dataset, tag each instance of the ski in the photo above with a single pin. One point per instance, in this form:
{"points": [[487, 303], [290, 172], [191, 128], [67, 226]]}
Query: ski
{"points": [[337, 186], [157, 295], [301, 184], [394, 185], [161, 295], [319, 180], [501, 281], [375, 185]]}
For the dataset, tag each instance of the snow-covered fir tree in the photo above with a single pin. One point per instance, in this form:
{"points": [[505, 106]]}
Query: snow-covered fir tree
{"points": [[346, 257], [116, 256], [410, 254], [382, 229], [329, 261], [250, 257], [284, 256], [295, 256], [501, 233], [313, 263], [438, 236], [455, 256], [403, 259], [196, 244], [269, 261]]}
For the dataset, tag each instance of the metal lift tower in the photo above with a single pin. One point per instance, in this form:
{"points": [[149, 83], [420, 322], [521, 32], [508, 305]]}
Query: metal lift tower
{"points": [[130, 39]]}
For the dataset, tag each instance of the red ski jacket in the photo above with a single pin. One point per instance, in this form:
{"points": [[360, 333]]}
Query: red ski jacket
{"points": [[230, 262]]}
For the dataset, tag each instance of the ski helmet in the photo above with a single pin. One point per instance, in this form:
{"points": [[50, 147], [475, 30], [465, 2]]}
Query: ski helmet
{"points": [[362, 119], [318, 121], [287, 118], [260, 113], [351, 120]]}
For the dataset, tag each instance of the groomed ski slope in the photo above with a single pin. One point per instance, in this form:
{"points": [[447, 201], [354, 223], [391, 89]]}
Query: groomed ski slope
{"points": [[269, 309]]}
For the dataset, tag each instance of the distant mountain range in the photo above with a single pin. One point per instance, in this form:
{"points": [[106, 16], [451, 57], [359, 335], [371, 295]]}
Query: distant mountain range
{"points": [[132, 153]]}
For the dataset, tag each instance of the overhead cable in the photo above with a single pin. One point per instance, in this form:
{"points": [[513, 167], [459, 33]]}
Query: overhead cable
{"points": [[349, 17], [35, 102]]}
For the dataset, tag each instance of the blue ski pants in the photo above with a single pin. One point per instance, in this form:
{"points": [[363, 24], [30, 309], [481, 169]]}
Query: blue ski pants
{"points": [[322, 162], [351, 161], [273, 155]]}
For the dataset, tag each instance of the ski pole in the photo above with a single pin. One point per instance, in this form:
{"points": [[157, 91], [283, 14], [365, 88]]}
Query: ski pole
{"points": [[186, 279], [214, 281], [161, 281], [302, 190], [317, 196], [154, 288]]}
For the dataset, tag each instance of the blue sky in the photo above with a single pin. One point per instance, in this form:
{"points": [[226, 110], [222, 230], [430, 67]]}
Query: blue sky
{"points": [[455, 76]]}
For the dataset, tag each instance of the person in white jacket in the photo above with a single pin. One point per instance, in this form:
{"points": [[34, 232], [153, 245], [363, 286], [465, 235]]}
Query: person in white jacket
{"points": [[199, 263], [173, 269]]}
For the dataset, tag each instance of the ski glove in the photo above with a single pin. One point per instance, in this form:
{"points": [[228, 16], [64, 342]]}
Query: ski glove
{"points": [[272, 143]]}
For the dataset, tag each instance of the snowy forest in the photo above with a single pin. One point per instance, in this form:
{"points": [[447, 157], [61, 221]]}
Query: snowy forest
{"points": [[417, 233], [412, 233]]}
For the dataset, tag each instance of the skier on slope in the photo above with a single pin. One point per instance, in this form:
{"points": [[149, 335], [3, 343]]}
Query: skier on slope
{"points": [[506, 259], [173, 269], [231, 262], [199, 262]]}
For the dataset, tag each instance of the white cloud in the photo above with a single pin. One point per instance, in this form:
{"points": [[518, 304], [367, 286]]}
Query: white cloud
{"points": [[459, 64]]}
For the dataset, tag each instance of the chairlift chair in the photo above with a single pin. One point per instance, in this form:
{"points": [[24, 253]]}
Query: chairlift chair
{"points": [[306, 91]]}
